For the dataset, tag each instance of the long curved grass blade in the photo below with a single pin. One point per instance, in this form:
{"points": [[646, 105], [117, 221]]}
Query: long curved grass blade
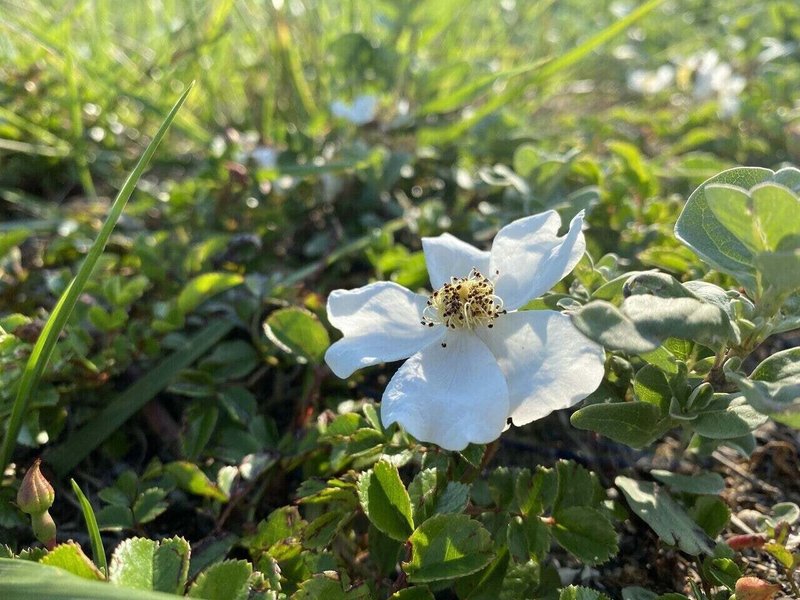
{"points": [[44, 346], [98, 551]]}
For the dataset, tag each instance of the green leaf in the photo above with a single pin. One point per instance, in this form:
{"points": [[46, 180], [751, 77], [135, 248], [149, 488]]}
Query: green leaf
{"points": [[484, 585], [328, 585], [734, 421], [190, 478], [746, 222], [70, 557], [711, 513], [45, 344], [603, 322], [702, 483], [655, 506], [698, 228], [422, 491], [417, 592], [636, 424], [385, 500], [24, 579], [586, 533], [12, 238], [201, 288], [145, 564], [725, 572], [226, 580], [776, 212], [650, 385], [574, 592], [773, 388], [453, 499], [780, 553], [299, 332], [446, 547]]}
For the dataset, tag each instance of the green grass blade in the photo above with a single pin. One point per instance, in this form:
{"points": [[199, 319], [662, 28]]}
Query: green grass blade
{"points": [[58, 318], [64, 457], [582, 50], [98, 551]]}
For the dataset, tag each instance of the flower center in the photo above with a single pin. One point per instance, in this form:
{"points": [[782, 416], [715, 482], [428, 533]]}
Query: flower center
{"points": [[464, 302]]}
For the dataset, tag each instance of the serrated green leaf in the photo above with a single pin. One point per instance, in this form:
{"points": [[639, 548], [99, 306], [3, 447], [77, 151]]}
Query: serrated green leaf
{"points": [[577, 486], [298, 332], [702, 483], [655, 506], [132, 564], [145, 564], [453, 499], [201, 288], [446, 547], [70, 557], [226, 580], [171, 565], [633, 423], [422, 491], [574, 592], [385, 500], [586, 533]]}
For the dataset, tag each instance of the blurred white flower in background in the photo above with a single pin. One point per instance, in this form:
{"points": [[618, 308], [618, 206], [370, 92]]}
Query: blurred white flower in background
{"points": [[362, 110], [474, 360], [649, 83], [714, 78]]}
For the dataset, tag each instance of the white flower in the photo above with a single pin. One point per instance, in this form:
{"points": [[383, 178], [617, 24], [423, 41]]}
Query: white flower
{"points": [[649, 83], [361, 111], [475, 360]]}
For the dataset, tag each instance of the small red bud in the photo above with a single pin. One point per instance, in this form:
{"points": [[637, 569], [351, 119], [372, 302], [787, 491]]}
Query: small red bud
{"points": [[35, 494], [747, 540], [753, 588]]}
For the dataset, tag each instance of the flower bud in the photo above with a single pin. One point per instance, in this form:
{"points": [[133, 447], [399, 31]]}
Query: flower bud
{"points": [[44, 528], [753, 588], [35, 494], [747, 540]]}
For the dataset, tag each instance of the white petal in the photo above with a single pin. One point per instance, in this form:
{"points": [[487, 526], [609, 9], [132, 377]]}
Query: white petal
{"points": [[450, 396], [548, 364], [380, 323], [531, 258], [447, 256]]}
